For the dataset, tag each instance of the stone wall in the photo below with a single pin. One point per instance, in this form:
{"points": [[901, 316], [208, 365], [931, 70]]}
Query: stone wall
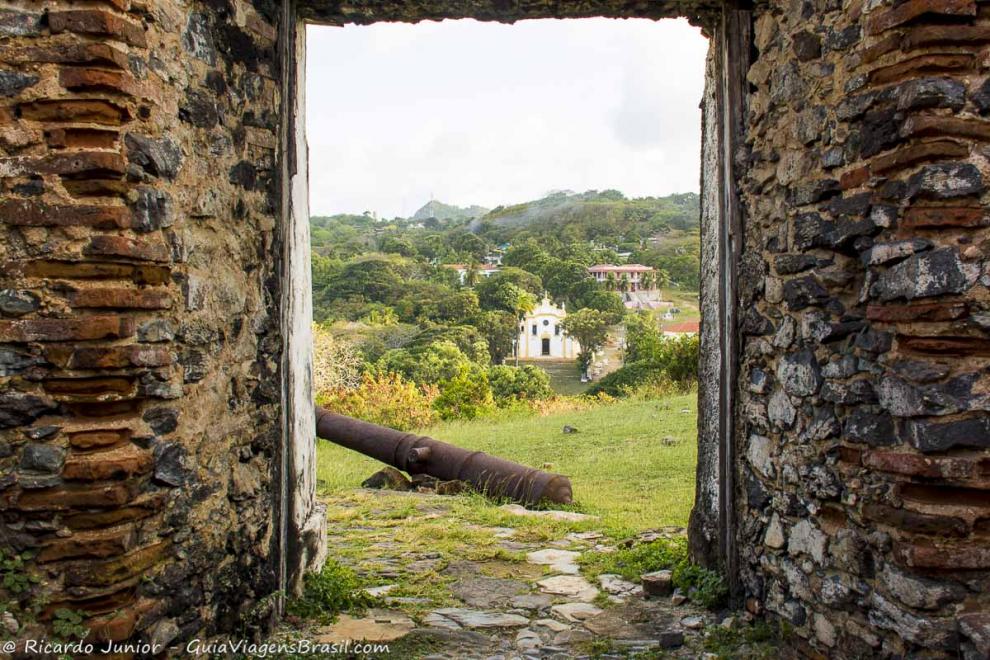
{"points": [[140, 291], [144, 445], [863, 501]]}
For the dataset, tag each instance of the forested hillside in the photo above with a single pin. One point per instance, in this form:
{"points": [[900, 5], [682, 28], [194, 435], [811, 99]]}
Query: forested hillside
{"points": [[406, 298]]}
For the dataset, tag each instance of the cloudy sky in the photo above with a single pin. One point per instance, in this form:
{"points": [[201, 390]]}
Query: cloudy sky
{"points": [[484, 113]]}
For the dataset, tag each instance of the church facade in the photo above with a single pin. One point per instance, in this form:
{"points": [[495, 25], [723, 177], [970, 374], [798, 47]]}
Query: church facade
{"points": [[542, 337]]}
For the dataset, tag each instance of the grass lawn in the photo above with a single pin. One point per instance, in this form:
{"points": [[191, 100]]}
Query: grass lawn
{"points": [[686, 301], [565, 379], [620, 468]]}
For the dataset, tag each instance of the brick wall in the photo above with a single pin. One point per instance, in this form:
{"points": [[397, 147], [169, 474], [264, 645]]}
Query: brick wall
{"points": [[864, 503], [139, 311]]}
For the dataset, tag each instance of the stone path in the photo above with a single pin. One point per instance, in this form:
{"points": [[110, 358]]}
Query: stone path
{"points": [[537, 606]]}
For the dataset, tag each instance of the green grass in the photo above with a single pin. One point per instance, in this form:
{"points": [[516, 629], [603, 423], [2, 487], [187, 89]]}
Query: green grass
{"points": [[620, 468], [686, 301], [565, 379]]}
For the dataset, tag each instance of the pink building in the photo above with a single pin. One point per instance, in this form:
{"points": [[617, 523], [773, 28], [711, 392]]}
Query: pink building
{"points": [[635, 274]]}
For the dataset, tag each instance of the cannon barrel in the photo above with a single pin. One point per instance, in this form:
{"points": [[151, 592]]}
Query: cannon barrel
{"points": [[417, 454]]}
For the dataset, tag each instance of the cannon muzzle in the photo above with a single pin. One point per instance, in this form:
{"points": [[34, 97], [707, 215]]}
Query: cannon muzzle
{"points": [[417, 454]]}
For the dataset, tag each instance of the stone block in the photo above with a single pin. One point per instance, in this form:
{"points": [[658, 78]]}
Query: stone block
{"points": [[30, 213], [118, 463], [75, 329], [98, 22], [120, 298]]}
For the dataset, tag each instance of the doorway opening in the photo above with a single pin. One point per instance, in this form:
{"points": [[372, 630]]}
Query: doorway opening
{"points": [[423, 317]]}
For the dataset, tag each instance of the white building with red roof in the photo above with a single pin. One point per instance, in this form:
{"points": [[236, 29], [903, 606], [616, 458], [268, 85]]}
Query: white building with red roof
{"points": [[638, 276]]}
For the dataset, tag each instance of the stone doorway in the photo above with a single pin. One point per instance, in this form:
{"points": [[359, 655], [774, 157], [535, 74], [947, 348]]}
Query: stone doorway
{"points": [[729, 31]]}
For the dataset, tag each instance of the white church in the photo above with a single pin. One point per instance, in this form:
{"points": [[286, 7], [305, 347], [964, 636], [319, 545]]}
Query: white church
{"points": [[541, 336]]}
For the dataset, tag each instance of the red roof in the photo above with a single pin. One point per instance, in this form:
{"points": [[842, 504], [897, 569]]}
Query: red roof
{"points": [[628, 268], [683, 328]]}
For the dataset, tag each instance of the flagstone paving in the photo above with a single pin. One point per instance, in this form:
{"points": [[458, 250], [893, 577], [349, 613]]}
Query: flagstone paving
{"points": [[513, 596]]}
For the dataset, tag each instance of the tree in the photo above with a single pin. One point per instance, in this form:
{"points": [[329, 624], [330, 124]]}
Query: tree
{"points": [[336, 364], [499, 328], [590, 328]]}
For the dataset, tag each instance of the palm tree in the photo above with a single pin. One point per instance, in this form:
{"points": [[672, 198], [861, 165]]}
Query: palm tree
{"points": [[471, 275]]}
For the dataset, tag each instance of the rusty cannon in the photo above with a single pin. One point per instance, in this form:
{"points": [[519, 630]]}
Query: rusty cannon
{"points": [[417, 454]]}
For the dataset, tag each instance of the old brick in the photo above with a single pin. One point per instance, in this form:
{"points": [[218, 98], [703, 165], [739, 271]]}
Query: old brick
{"points": [[119, 357], [81, 78], [95, 53], [931, 125], [89, 389], [916, 523], [97, 21], [139, 274], [923, 65], [98, 543], [97, 187], [138, 509], [934, 436], [108, 245], [74, 497], [111, 571], [919, 465], [854, 178], [931, 35], [76, 329], [120, 298], [917, 153], [81, 138], [954, 556], [91, 111], [948, 311], [98, 439], [118, 463], [82, 164], [30, 213], [882, 20], [958, 346]]}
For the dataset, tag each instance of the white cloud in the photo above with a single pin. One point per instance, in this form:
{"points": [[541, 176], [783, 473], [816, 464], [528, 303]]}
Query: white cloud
{"points": [[483, 113]]}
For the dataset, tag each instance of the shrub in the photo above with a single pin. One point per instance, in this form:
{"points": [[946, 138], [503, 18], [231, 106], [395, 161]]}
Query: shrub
{"points": [[336, 364], [431, 364], [705, 587], [465, 396], [326, 594], [385, 399], [669, 361], [526, 383]]}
